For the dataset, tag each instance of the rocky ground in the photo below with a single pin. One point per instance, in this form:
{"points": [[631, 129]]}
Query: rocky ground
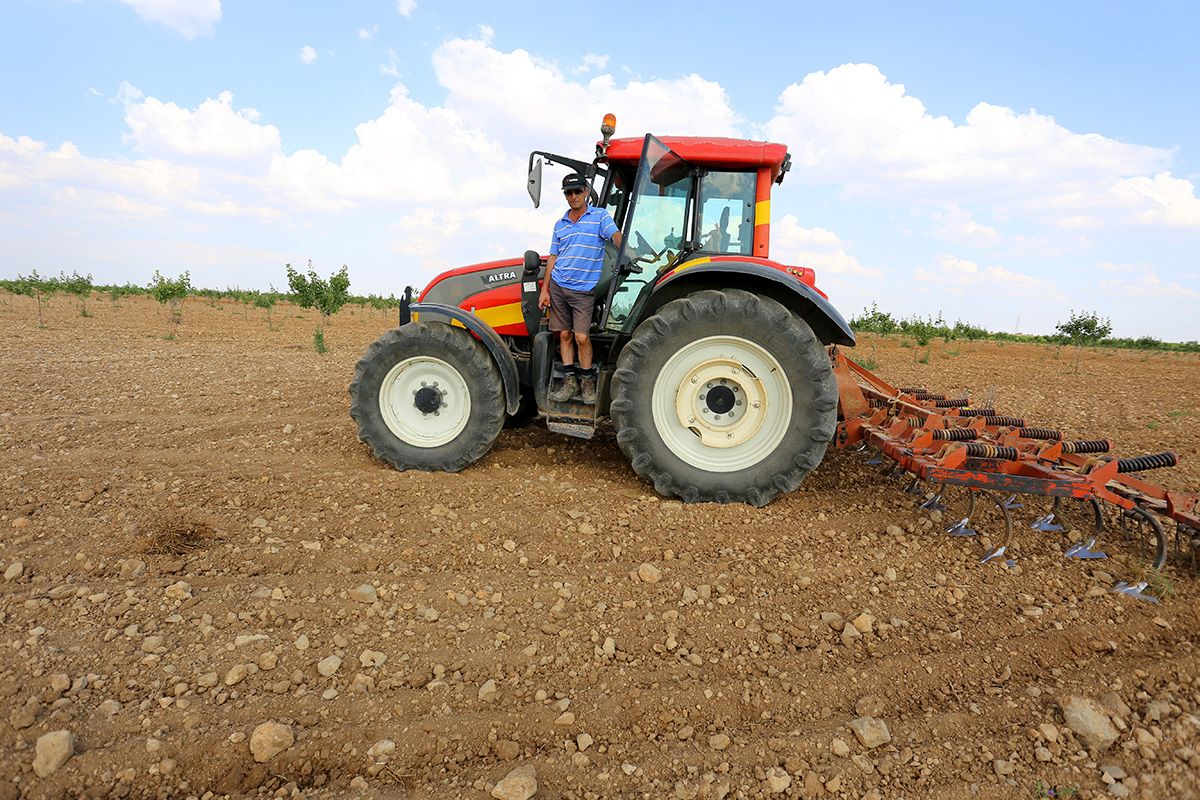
{"points": [[211, 589]]}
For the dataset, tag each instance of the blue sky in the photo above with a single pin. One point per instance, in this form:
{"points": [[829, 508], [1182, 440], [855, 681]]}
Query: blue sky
{"points": [[989, 163]]}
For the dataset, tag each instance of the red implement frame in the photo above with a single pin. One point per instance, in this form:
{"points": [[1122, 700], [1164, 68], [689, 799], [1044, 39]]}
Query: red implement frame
{"points": [[944, 441]]}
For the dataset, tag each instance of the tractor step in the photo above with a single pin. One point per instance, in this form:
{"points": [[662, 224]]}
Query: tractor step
{"points": [[571, 418]]}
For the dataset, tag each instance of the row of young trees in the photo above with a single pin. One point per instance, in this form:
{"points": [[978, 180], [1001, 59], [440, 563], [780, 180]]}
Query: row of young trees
{"points": [[307, 289], [1082, 328]]}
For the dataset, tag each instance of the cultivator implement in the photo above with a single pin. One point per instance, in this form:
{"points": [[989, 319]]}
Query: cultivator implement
{"points": [[975, 467]]}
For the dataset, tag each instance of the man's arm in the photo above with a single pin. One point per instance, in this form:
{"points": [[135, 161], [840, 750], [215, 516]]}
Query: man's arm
{"points": [[544, 297], [616, 238]]}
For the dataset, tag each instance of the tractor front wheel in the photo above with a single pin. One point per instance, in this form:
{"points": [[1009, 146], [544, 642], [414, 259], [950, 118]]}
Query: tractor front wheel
{"points": [[427, 397], [724, 396]]}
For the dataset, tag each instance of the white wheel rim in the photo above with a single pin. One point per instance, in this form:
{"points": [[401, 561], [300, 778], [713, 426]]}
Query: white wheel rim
{"points": [[745, 419], [423, 378]]}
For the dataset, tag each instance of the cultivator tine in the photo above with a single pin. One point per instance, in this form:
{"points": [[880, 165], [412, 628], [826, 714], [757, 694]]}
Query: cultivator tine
{"points": [[1046, 523], [1135, 590], [875, 460], [947, 443], [1085, 551], [934, 503], [962, 528], [996, 555]]}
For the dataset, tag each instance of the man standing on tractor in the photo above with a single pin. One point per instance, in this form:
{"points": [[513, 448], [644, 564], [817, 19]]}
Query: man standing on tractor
{"points": [[572, 272]]}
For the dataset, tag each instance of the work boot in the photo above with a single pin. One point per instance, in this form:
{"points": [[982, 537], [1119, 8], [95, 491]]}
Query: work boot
{"points": [[567, 389], [587, 387]]}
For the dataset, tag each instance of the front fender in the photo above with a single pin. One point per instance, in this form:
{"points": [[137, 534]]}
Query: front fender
{"points": [[805, 301], [491, 340]]}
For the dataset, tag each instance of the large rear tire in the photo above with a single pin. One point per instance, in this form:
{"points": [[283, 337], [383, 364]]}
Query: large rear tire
{"points": [[724, 396], [427, 396]]}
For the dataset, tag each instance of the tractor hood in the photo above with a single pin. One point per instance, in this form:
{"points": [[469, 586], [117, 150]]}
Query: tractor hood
{"points": [[490, 290]]}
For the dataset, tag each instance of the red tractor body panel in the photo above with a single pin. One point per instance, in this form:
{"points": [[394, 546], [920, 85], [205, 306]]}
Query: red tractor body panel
{"points": [[491, 290], [802, 274], [710, 151]]}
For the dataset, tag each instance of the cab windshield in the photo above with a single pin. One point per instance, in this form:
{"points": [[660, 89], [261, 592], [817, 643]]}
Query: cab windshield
{"points": [[655, 229]]}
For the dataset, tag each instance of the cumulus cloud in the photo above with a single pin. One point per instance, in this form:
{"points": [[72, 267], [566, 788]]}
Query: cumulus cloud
{"points": [[954, 274], [513, 90], [590, 62], [191, 18], [1142, 281], [816, 248], [307, 54], [957, 224], [1164, 200], [406, 7], [852, 126], [367, 34], [212, 130]]}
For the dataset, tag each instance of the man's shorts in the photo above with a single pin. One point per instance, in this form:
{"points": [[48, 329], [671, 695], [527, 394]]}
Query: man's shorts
{"points": [[570, 310]]}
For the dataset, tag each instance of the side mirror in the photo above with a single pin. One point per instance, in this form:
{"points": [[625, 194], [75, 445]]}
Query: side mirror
{"points": [[535, 183]]}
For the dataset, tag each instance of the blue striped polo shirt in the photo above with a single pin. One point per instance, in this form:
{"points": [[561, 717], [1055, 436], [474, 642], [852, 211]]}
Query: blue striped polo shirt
{"points": [[579, 248]]}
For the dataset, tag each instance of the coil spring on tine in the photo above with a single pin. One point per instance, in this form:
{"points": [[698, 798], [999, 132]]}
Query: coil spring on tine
{"points": [[874, 402], [1048, 434], [1081, 446], [915, 422], [1010, 422], [1152, 461], [956, 434], [977, 412], [981, 450], [913, 390], [961, 403]]}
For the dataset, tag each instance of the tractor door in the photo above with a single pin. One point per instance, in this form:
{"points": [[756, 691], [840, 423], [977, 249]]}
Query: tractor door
{"points": [[657, 229]]}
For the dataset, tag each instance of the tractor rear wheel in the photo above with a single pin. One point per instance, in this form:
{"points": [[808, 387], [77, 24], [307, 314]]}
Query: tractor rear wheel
{"points": [[427, 396], [724, 396]]}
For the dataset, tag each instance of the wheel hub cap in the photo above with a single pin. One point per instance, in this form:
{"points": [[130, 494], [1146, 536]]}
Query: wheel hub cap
{"points": [[722, 402], [427, 399]]}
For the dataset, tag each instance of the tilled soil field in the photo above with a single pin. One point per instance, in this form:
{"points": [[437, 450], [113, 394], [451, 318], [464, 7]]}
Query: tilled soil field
{"points": [[211, 589]]}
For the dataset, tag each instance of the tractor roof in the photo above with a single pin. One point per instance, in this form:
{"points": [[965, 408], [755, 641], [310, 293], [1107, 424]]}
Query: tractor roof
{"points": [[710, 151]]}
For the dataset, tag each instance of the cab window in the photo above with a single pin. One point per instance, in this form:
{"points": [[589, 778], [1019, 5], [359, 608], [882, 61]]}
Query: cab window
{"points": [[727, 212]]}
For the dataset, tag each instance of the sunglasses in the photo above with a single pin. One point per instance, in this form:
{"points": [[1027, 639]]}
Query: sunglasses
{"points": [[572, 192]]}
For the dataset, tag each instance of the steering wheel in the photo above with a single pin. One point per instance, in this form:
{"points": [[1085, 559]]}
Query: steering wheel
{"points": [[646, 254]]}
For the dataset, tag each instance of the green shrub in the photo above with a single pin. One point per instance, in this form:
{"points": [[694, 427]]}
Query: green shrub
{"points": [[326, 296]]}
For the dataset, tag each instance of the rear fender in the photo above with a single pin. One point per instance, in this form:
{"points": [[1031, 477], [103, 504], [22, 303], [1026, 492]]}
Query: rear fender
{"points": [[491, 340], [802, 299]]}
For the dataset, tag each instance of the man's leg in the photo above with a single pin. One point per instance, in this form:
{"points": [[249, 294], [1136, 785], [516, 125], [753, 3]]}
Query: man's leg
{"points": [[566, 348], [570, 383], [585, 350]]}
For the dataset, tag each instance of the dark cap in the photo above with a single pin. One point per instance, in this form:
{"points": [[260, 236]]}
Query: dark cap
{"points": [[574, 181]]}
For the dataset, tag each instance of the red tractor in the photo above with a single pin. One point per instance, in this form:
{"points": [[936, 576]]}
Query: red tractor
{"points": [[712, 361]]}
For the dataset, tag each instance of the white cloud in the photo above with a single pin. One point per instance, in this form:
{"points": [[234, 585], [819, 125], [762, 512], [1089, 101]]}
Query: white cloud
{"points": [[957, 224], [406, 7], [213, 130], [307, 54], [957, 274], [512, 90], [851, 126], [191, 18], [1168, 201], [392, 68], [367, 34], [816, 248], [1142, 281], [590, 62]]}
